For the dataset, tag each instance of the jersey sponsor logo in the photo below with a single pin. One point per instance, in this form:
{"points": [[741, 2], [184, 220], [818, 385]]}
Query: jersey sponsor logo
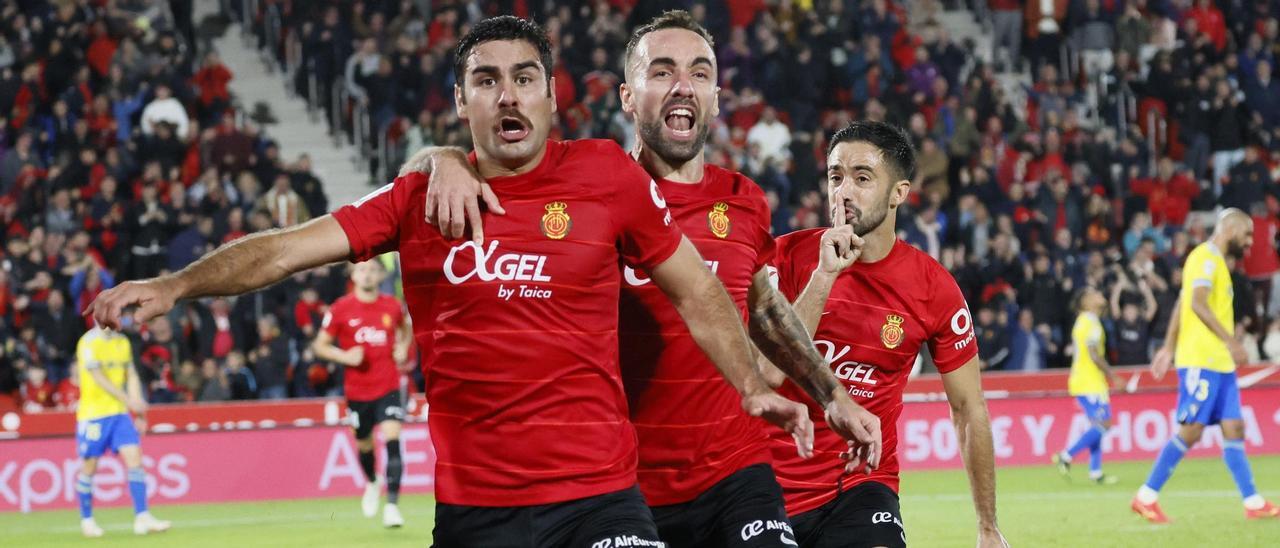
{"points": [[886, 517], [627, 541], [555, 222], [891, 332], [656, 194], [634, 279], [756, 528], [718, 220], [371, 336], [506, 267], [859, 375], [962, 326]]}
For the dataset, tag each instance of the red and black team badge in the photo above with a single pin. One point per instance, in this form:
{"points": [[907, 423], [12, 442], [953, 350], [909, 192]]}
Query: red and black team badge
{"points": [[555, 222], [891, 332], [718, 220]]}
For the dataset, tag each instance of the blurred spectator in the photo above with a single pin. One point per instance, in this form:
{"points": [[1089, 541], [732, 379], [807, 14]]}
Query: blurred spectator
{"points": [[772, 137], [37, 391], [213, 382], [165, 108], [992, 331], [1131, 342], [240, 380], [272, 360]]}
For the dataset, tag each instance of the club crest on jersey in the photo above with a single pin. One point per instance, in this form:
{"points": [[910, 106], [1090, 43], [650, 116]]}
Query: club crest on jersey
{"points": [[891, 333], [386, 321], [555, 222], [718, 220]]}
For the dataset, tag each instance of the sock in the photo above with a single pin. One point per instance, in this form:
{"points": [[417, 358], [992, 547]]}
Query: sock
{"points": [[84, 492], [1086, 439], [1233, 455], [1254, 502], [1147, 495], [366, 464], [1095, 457], [1165, 463], [138, 490], [394, 468]]}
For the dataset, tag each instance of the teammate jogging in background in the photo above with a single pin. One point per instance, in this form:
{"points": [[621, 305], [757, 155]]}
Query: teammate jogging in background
{"points": [[528, 413], [704, 464], [109, 392], [873, 302], [1090, 381], [367, 332], [1201, 343]]}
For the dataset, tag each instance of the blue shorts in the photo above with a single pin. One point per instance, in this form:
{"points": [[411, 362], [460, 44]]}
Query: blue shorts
{"points": [[1207, 397], [95, 436], [1097, 408]]}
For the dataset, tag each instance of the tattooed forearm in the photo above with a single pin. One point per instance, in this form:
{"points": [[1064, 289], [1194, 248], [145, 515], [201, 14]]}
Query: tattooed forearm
{"points": [[782, 338]]}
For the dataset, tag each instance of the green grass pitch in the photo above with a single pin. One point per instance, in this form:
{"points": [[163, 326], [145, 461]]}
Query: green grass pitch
{"points": [[1036, 508]]}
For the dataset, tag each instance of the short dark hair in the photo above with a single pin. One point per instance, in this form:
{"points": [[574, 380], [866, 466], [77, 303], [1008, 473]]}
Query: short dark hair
{"points": [[504, 27], [892, 141], [673, 19]]}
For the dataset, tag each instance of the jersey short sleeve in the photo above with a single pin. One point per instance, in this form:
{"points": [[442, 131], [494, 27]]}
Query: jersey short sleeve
{"points": [[332, 320], [85, 354], [782, 267], [766, 249], [372, 223], [951, 339], [647, 233], [1204, 270]]}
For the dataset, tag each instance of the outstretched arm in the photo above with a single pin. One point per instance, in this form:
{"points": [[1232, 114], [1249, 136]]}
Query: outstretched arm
{"points": [[250, 263], [973, 430], [783, 340], [716, 325]]}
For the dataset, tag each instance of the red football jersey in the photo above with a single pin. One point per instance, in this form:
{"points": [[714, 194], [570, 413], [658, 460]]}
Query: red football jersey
{"points": [[692, 429], [876, 320], [372, 325], [520, 334]]}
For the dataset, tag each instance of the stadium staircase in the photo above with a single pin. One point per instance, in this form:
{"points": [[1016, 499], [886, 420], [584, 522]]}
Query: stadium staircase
{"points": [[299, 130]]}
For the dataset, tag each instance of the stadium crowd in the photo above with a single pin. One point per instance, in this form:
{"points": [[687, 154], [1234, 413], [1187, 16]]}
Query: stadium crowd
{"points": [[122, 155]]}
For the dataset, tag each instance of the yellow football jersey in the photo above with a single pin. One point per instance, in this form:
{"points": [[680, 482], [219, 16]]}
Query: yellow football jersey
{"points": [[1086, 377], [1197, 346], [111, 353]]}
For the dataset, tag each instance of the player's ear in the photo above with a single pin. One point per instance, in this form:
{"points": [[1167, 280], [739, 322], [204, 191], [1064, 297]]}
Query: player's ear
{"points": [[459, 102], [628, 98], [898, 195], [551, 85], [715, 103]]}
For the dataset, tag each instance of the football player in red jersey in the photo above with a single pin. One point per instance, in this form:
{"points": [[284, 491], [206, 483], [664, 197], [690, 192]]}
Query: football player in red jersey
{"points": [[704, 465], [528, 412], [368, 333], [872, 302]]}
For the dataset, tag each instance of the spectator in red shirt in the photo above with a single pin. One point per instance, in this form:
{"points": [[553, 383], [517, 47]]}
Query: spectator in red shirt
{"points": [[212, 81], [1168, 194], [66, 397], [1210, 21], [37, 391]]}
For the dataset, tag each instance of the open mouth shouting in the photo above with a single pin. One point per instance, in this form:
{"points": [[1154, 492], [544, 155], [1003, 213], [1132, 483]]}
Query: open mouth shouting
{"points": [[678, 121], [513, 128]]}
